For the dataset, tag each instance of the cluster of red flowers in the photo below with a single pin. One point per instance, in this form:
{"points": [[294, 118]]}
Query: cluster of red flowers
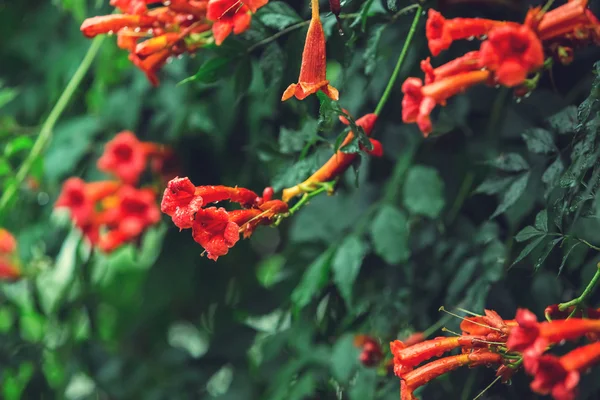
{"points": [[172, 28], [491, 340], [508, 54], [9, 260], [217, 229], [554, 375], [479, 343], [113, 212]]}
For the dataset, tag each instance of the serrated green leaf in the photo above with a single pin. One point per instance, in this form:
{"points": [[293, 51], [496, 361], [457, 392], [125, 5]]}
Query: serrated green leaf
{"points": [[539, 141], [370, 54], [314, 279], [564, 121], [546, 252], [346, 265], [527, 233], [511, 162], [553, 172], [389, 234], [494, 184], [566, 256], [514, 192], [528, 249], [423, 192], [277, 15]]}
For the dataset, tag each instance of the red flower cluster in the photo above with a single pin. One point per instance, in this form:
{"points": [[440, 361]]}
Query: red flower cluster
{"points": [[479, 344], [113, 212], [371, 353], [554, 375], [171, 29], [9, 261], [509, 53], [216, 229]]}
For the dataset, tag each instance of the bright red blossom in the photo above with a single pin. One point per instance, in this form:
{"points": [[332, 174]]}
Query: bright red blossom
{"points": [[125, 157], [136, 210], [214, 231], [231, 16], [512, 52]]}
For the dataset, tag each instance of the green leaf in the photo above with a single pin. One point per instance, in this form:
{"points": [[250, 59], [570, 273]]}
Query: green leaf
{"points": [[566, 256], [528, 249], [423, 192], [53, 369], [392, 5], [242, 76], [313, 281], [370, 54], [364, 385], [6, 95], [527, 233], [344, 358], [6, 319], [32, 326], [514, 192], [211, 71], [18, 145], [565, 121], [511, 162], [346, 265], [271, 64], [553, 172], [494, 184], [292, 141], [546, 252], [269, 270], [294, 173], [52, 283], [277, 15], [462, 277], [14, 383], [539, 141], [389, 234], [541, 221], [5, 167]]}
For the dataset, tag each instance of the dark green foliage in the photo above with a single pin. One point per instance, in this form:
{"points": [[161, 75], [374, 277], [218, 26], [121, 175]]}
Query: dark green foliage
{"points": [[486, 213]]}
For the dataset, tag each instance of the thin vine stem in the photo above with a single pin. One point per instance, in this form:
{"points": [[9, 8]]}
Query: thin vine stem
{"points": [[577, 302], [48, 125], [392, 81]]}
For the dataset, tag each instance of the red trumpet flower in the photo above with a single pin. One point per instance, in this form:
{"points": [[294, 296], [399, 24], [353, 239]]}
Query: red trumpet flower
{"points": [[8, 243], [124, 156], [313, 70]]}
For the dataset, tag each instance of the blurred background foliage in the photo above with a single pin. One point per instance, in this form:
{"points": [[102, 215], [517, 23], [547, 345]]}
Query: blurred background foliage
{"points": [[435, 222]]}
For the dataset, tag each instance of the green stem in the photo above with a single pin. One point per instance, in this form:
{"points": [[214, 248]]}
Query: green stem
{"points": [[577, 302], [46, 130], [392, 81], [463, 192], [325, 187]]}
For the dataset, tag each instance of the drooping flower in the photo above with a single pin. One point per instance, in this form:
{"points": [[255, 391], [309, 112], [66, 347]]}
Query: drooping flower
{"points": [[215, 232], [113, 23], [466, 63], [441, 32], [231, 16], [8, 243], [125, 157], [340, 161], [181, 202], [313, 69], [512, 52]]}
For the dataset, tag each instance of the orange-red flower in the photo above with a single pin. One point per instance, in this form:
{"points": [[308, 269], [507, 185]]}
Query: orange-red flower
{"points": [[371, 353], [466, 63], [125, 157], [512, 52], [136, 210], [8, 243], [340, 161], [73, 197], [8, 268], [313, 70], [231, 16], [441, 32], [113, 23], [419, 101]]}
